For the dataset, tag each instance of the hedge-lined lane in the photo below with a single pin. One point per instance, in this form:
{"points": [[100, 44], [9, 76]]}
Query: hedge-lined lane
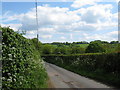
{"points": [[102, 67]]}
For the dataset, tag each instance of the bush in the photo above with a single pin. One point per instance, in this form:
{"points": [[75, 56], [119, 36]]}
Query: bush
{"points": [[47, 49], [21, 63], [77, 50], [37, 44], [61, 50], [95, 47]]}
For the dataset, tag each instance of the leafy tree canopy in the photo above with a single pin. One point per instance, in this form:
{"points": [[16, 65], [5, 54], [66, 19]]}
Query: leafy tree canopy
{"points": [[94, 47]]}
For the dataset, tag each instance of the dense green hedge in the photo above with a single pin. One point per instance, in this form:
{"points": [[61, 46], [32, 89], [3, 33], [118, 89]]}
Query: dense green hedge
{"points": [[21, 63], [103, 67]]}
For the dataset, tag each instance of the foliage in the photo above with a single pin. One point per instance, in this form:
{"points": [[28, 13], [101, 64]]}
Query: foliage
{"points": [[103, 67], [82, 42], [84, 46], [67, 48], [77, 50], [114, 42], [47, 49], [0, 35], [21, 63], [94, 47], [67, 43], [62, 49], [37, 44], [99, 41], [109, 48]]}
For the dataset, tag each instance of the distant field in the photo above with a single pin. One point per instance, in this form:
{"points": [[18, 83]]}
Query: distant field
{"points": [[83, 45]]}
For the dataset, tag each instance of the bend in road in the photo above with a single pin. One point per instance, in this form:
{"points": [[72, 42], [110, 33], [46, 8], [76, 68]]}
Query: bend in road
{"points": [[62, 78]]}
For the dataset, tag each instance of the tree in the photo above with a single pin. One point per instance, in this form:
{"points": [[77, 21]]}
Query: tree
{"points": [[94, 47], [114, 42], [62, 50], [105, 42], [77, 50], [47, 49], [96, 41], [56, 50], [37, 44]]}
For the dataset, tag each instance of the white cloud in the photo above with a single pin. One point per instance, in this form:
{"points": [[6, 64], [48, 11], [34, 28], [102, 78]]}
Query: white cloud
{"points": [[47, 16], [52, 19], [96, 13], [115, 16], [33, 34], [62, 38], [15, 27], [47, 30], [113, 33], [81, 3], [117, 1], [56, 20], [46, 36], [9, 16], [71, 36], [110, 36]]}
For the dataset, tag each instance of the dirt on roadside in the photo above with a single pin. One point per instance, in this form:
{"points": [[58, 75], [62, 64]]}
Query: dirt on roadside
{"points": [[50, 85]]}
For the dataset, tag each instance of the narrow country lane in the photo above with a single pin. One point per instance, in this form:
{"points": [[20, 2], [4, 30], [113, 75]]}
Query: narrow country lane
{"points": [[61, 78]]}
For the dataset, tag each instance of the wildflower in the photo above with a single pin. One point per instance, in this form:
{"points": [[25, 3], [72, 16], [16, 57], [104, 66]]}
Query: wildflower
{"points": [[9, 74], [3, 78], [10, 56], [14, 79], [13, 47], [10, 80], [20, 83]]}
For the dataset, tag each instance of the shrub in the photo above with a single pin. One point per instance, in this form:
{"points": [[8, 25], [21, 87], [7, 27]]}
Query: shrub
{"points": [[47, 49], [94, 47], [37, 44], [21, 63]]}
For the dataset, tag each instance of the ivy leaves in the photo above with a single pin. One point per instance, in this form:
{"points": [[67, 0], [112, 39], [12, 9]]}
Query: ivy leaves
{"points": [[20, 59]]}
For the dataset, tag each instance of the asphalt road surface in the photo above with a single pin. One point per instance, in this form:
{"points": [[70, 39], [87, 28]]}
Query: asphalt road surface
{"points": [[61, 78]]}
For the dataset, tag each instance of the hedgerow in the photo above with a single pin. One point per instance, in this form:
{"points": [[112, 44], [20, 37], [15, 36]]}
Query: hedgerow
{"points": [[21, 63], [100, 66]]}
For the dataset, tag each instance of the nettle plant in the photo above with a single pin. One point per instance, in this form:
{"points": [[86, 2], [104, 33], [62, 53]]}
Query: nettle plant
{"points": [[21, 63]]}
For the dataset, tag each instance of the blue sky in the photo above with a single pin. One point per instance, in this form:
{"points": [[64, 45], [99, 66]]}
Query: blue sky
{"points": [[64, 21]]}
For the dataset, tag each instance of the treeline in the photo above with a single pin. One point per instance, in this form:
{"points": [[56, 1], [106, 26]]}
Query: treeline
{"points": [[96, 46], [82, 42], [67, 43], [22, 66]]}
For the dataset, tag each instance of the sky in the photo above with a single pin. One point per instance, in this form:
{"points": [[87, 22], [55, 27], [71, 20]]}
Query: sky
{"points": [[70, 21]]}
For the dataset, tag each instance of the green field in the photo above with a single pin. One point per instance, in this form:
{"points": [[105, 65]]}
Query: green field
{"points": [[83, 45]]}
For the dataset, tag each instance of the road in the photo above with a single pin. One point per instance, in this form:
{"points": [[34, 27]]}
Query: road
{"points": [[61, 78]]}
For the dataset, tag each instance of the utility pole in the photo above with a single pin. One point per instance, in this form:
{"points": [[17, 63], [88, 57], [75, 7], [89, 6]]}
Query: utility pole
{"points": [[37, 20]]}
